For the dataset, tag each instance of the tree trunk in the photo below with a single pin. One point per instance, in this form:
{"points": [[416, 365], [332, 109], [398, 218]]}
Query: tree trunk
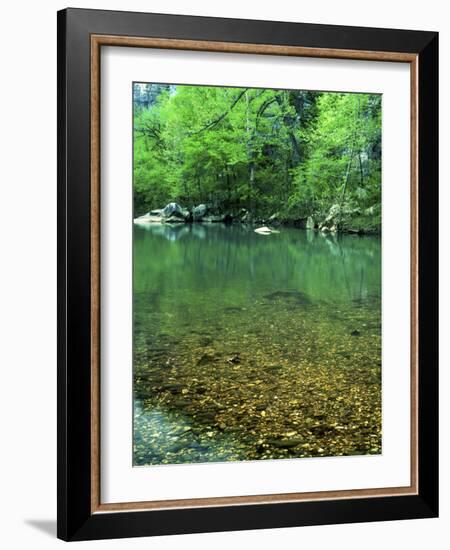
{"points": [[361, 173], [251, 164]]}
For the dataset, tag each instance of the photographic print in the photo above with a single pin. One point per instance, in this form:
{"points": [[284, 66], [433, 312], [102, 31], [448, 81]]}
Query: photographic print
{"points": [[256, 274]]}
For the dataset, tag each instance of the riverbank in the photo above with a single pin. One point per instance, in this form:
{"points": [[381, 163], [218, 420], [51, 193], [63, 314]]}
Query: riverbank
{"points": [[339, 218]]}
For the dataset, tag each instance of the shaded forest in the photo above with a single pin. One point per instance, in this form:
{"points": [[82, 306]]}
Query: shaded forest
{"points": [[280, 154]]}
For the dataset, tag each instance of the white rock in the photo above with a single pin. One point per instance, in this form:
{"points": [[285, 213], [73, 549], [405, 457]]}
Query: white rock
{"points": [[263, 230]]}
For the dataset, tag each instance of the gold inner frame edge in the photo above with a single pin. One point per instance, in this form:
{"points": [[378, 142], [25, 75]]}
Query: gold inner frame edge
{"points": [[97, 41]]}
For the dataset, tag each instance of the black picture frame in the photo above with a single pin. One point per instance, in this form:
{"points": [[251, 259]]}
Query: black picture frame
{"points": [[75, 518]]}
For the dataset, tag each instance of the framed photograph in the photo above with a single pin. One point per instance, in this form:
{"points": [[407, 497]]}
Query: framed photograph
{"points": [[247, 253]]}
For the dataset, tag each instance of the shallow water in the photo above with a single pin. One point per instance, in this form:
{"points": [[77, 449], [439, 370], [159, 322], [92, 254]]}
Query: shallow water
{"points": [[252, 346]]}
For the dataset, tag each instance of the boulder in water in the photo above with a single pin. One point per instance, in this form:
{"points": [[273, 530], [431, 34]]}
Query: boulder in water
{"points": [[246, 217], [199, 212], [156, 212], [172, 210], [264, 230], [333, 214], [148, 218]]}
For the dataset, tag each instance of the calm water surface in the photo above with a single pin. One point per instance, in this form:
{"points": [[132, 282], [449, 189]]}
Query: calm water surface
{"points": [[251, 347]]}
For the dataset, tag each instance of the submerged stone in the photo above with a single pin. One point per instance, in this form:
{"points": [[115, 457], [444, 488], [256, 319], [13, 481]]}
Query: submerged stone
{"points": [[232, 309], [285, 443], [206, 359], [290, 295]]}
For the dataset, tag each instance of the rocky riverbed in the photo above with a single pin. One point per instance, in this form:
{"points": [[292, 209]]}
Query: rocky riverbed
{"points": [[283, 377]]}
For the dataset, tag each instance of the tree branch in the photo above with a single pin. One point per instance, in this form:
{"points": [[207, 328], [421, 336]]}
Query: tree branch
{"points": [[221, 117]]}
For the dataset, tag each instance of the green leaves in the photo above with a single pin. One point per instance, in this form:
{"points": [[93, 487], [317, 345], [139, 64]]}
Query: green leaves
{"points": [[254, 148], [343, 151]]}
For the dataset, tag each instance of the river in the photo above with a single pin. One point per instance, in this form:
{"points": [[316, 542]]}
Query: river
{"points": [[250, 347]]}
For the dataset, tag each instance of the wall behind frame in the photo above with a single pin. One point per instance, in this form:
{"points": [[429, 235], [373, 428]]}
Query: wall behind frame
{"points": [[28, 274]]}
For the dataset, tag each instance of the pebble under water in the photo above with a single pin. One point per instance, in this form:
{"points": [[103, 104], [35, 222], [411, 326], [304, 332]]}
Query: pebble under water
{"points": [[250, 347]]}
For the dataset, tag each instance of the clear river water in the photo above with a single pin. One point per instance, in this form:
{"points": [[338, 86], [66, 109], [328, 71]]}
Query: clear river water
{"points": [[251, 347]]}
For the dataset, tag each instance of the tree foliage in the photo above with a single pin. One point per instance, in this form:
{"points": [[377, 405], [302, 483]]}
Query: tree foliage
{"points": [[265, 150]]}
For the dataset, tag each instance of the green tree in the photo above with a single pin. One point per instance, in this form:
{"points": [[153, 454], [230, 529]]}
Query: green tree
{"points": [[264, 150]]}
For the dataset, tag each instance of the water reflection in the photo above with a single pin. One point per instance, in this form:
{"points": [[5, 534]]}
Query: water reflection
{"points": [[234, 257]]}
